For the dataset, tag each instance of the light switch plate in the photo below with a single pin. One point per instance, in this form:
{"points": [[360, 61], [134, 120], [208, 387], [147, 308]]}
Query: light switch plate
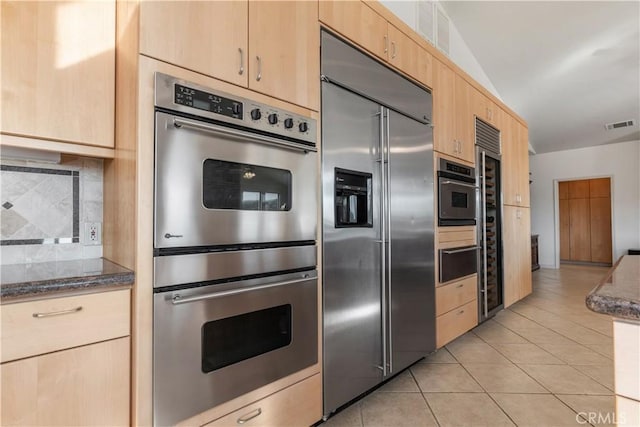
{"points": [[92, 233]]}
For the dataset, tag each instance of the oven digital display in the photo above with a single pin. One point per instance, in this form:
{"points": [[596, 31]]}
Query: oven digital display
{"points": [[459, 200], [208, 102]]}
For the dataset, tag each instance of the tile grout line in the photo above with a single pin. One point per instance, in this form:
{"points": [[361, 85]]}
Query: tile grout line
{"points": [[425, 398]]}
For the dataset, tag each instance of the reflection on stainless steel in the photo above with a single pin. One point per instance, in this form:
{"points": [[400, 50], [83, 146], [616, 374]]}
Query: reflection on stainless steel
{"points": [[378, 288], [193, 268], [180, 387]]}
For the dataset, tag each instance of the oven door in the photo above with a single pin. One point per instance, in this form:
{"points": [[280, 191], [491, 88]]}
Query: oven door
{"points": [[214, 343], [215, 185], [456, 202]]}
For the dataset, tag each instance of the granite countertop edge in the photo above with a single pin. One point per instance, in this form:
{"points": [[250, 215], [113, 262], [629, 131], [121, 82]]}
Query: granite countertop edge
{"points": [[66, 286], [613, 306]]}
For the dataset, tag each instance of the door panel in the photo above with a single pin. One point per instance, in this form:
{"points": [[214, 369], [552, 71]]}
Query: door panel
{"points": [[351, 256], [580, 233], [579, 189], [412, 290], [600, 218], [565, 224], [600, 187]]}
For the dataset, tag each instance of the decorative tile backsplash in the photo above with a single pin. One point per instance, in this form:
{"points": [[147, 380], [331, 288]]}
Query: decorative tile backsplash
{"points": [[44, 208]]}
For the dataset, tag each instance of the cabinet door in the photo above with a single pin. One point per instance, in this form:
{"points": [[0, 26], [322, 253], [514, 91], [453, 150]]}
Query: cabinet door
{"points": [[443, 109], [209, 37], [83, 386], [486, 109], [465, 120], [515, 161], [284, 49], [357, 22], [580, 229], [523, 164], [408, 56], [517, 253], [58, 70]]}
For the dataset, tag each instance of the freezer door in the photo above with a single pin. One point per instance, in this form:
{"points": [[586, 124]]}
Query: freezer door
{"points": [[412, 288], [351, 255]]}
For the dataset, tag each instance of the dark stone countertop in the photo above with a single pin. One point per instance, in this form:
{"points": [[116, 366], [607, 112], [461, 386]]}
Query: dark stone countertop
{"points": [[20, 282], [618, 295]]}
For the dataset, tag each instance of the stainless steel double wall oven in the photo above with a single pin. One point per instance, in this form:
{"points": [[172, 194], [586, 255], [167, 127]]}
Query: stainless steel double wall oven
{"points": [[235, 217]]}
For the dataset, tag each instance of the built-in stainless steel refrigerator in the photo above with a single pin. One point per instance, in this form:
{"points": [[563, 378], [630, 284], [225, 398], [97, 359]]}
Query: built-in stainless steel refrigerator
{"points": [[489, 209], [378, 257]]}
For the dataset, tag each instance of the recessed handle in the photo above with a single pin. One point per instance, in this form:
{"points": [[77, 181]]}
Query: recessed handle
{"points": [[248, 417], [57, 313]]}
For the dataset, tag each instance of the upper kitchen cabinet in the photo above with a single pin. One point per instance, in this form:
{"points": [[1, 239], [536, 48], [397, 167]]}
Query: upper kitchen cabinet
{"points": [[452, 114], [269, 47], [486, 110], [363, 26], [515, 160], [284, 48], [208, 37], [357, 22], [58, 72]]}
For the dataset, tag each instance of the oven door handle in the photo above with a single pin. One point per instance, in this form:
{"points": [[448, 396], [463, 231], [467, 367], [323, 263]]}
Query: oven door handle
{"points": [[177, 299], [460, 183], [179, 122], [457, 251]]}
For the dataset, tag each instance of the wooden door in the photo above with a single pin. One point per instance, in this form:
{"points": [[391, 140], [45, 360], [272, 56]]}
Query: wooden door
{"points": [[600, 219], [284, 49], [522, 137], [486, 109], [58, 70], [524, 240], [408, 56], [86, 385], [209, 37], [511, 258], [465, 120], [579, 229], [563, 208], [443, 109], [357, 22], [510, 161]]}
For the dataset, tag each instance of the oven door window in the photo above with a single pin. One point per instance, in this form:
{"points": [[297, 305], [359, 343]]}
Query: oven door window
{"points": [[459, 200], [240, 186], [234, 339]]}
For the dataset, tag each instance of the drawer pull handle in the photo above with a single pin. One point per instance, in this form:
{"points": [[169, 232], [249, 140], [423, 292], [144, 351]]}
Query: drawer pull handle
{"points": [[251, 415], [57, 313], [461, 311], [460, 285]]}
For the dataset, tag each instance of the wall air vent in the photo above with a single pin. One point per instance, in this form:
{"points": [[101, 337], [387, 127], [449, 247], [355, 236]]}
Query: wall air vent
{"points": [[618, 125]]}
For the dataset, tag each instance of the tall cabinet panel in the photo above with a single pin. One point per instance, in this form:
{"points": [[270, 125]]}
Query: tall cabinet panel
{"points": [[58, 70], [444, 109], [284, 41], [517, 253]]}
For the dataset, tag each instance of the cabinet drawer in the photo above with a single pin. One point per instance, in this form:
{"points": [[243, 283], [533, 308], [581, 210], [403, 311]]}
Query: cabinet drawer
{"points": [[456, 322], [297, 405], [455, 294], [451, 237], [37, 327]]}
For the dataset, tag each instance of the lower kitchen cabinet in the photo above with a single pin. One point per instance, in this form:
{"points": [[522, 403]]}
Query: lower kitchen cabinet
{"points": [[517, 253], [456, 309], [86, 386], [296, 405]]}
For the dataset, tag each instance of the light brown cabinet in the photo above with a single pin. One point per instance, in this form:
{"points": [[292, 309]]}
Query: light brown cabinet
{"points": [[517, 254], [86, 386], [515, 162], [365, 27], [58, 71], [270, 47], [585, 220], [486, 110], [454, 125]]}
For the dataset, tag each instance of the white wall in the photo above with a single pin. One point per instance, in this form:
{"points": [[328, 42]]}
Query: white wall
{"points": [[619, 161], [459, 52]]}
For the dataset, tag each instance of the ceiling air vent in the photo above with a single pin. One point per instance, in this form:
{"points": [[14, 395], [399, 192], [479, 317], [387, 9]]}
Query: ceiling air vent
{"points": [[618, 125]]}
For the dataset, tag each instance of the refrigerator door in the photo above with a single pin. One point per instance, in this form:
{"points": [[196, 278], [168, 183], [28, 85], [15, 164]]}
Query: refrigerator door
{"points": [[351, 135], [412, 287]]}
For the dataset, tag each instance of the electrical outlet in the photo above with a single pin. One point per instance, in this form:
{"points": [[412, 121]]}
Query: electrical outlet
{"points": [[92, 233]]}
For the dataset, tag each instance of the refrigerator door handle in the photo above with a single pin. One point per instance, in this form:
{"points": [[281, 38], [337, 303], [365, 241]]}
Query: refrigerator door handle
{"points": [[383, 241], [387, 196], [484, 232]]}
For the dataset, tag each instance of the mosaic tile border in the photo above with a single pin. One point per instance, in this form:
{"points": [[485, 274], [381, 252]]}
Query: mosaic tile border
{"points": [[75, 238]]}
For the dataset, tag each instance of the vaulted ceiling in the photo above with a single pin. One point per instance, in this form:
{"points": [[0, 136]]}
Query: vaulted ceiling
{"points": [[567, 67]]}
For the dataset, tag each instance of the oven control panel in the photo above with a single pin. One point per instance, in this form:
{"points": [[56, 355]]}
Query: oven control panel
{"points": [[179, 95]]}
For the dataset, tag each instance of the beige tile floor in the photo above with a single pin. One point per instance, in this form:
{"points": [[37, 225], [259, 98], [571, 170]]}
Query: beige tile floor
{"points": [[544, 361]]}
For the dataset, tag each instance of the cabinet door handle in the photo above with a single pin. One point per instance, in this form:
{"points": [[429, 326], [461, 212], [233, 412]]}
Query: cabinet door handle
{"points": [[461, 312], [393, 49], [248, 417], [460, 285], [386, 44], [241, 70], [259, 75], [57, 313]]}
